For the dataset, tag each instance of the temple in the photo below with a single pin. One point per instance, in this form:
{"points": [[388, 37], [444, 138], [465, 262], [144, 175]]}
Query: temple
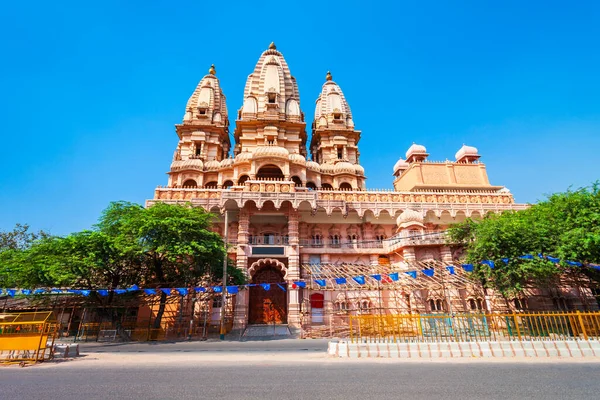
{"points": [[298, 210]]}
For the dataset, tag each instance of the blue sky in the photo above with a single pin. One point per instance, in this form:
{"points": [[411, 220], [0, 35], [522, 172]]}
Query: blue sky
{"points": [[91, 90]]}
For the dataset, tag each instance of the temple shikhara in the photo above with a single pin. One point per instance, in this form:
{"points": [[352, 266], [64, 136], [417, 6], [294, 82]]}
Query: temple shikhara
{"points": [[300, 216]]}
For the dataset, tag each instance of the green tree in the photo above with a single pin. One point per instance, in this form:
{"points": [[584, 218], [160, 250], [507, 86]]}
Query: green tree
{"points": [[565, 225], [163, 246], [172, 243]]}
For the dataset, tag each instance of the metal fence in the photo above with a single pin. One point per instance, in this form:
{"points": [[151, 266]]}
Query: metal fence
{"points": [[474, 327]]}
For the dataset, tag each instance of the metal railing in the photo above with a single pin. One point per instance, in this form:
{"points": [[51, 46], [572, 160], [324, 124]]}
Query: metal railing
{"points": [[475, 327]]}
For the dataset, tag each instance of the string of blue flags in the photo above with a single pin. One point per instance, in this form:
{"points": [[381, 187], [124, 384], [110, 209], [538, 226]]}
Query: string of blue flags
{"points": [[361, 280]]}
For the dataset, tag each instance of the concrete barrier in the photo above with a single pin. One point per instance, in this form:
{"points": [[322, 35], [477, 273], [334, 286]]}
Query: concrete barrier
{"points": [[505, 349]]}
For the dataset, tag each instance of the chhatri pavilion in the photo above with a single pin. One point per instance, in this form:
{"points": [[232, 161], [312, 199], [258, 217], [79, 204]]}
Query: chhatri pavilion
{"points": [[299, 210]]}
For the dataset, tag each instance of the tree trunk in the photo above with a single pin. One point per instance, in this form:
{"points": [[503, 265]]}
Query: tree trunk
{"points": [[161, 310]]}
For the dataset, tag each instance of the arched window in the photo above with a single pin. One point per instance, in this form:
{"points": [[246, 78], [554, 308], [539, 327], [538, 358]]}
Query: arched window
{"points": [[317, 240], [227, 184], [437, 305], [335, 240], [345, 186], [243, 179], [311, 185], [341, 306], [297, 181], [190, 183], [211, 185], [269, 171], [326, 186]]}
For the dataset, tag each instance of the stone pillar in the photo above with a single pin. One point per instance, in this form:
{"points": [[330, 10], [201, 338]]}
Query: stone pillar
{"points": [[293, 269], [446, 254], [374, 259], [409, 254], [242, 238]]}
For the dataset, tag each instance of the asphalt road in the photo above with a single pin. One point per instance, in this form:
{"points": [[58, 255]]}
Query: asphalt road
{"points": [[287, 370]]}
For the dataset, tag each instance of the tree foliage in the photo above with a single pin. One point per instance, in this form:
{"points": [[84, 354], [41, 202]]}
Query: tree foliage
{"points": [[565, 225], [161, 246]]}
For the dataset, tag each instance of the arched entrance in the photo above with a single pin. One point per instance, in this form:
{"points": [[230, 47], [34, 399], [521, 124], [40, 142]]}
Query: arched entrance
{"points": [[267, 306]]}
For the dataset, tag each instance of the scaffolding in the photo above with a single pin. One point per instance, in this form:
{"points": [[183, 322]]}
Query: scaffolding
{"points": [[131, 316], [337, 293]]}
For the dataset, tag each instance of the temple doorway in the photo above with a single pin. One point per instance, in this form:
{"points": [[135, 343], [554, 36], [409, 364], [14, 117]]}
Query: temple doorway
{"points": [[267, 306]]}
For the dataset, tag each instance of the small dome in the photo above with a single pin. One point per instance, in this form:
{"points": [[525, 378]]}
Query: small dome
{"points": [[298, 159], [344, 168], [466, 151], [327, 168], [212, 165], [359, 170], [313, 166], [400, 165], [228, 162], [192, 163], [416, 149], [271, 151], [245, 156], [409, 217]]}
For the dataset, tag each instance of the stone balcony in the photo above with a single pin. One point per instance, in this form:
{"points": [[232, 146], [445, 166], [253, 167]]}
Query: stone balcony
{"points": [[428, 239]]}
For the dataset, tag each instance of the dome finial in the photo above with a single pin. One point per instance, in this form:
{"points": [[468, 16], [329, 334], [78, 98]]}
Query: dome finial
{"points": [[272, 46], [212, 70], [328, 76]]}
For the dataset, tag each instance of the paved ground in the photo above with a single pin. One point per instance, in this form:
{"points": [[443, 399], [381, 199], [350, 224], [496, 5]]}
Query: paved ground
{"points": [[287, 369]]}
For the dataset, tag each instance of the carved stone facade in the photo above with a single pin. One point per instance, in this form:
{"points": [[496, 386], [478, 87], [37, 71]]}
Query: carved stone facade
{"points": [[287, 209]]}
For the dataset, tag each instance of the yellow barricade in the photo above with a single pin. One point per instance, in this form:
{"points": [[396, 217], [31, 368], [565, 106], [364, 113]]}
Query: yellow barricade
{"points": [[475, 327], [27, 337]]}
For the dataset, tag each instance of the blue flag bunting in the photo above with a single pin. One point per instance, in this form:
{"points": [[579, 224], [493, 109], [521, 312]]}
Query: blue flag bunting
{"points": [[281, 287], [300, 284], [150, 291], [54, 290], [574, 263], [166, 291], [527, 257], [39, 291], [266, 286], [540, 255], [102, 292], [468, 267], [489, 263], [85, 292], [394, 276], [120, 291], [199, 289], [217, 289], [359, 279], [11, 292], [340, 281], [505, 260], [412, 274], [553, 259], [428, 272], [133, 288], [232, 289], [26, 292], [595, 266], [377, 277], [182, 291], [450, 269], [321, 282], [74, 291]]}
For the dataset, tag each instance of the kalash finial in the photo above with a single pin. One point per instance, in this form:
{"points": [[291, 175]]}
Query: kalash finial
{"points": [[212, 70], [328, 76], [272, 46]]}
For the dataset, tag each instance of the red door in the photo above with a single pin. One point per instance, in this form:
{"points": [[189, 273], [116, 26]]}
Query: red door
{"points": [[267, 306]]}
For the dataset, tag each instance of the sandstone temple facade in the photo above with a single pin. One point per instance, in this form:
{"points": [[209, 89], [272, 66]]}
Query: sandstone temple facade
{"points": [[297, 209]]}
